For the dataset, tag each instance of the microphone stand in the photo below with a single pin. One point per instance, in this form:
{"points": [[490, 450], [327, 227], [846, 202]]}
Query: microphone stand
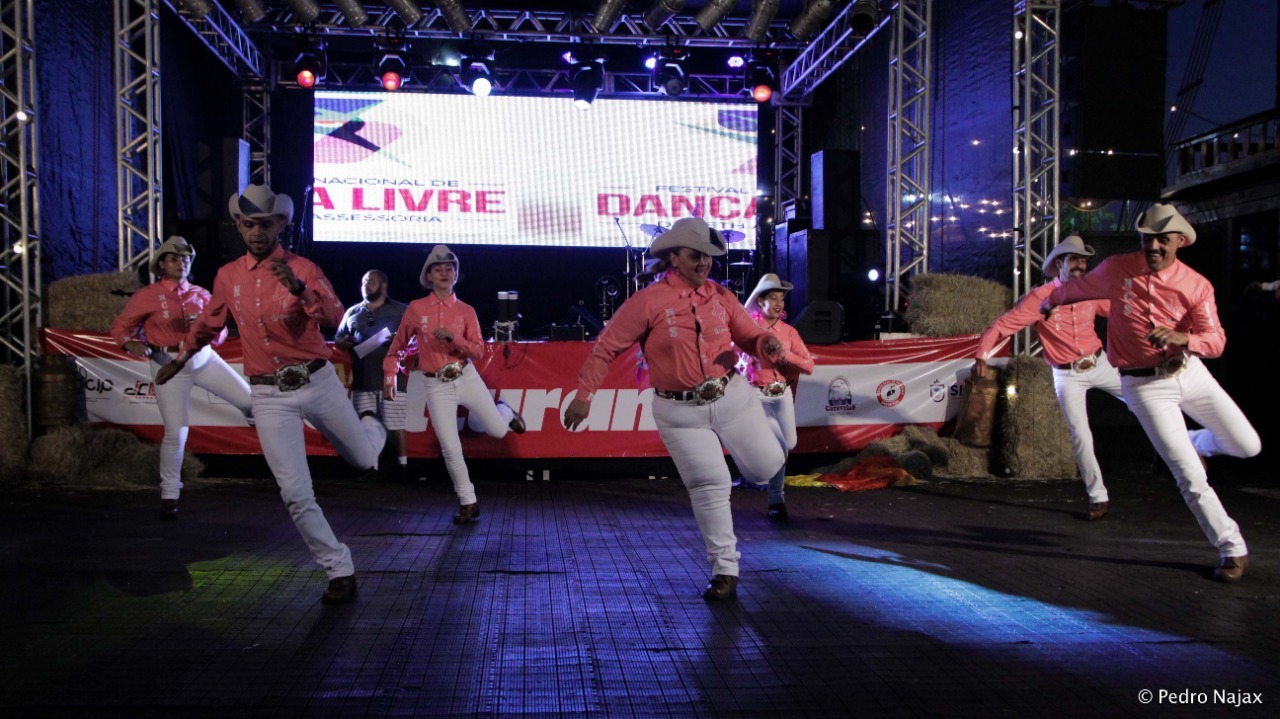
{"points": [[627, 271]]}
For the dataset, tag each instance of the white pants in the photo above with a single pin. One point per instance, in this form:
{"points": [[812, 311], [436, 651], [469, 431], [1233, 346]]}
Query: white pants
{"points": [[780, 412], [693, 434], [1071, 387], [279, 416], [207, 371], [1158, 403], [443, 400]]}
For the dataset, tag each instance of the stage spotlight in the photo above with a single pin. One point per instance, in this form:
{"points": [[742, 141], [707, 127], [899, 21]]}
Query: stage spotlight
{"points": [[586, 79], [760, 80], [408, 11], [762, 13], [662, 11], [668, 73], [393, 71], [713, 12], [311, 67], [304, 11], [455, 16], [812, 19], [651, 62], [606, 15], [353, 11], [251, 10], [736, 61], [199, 8], [476, 76], [864, 16]]}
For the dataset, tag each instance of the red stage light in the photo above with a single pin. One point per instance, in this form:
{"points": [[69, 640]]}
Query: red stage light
{"points": [[391, 81], [762, 93], [306, 79]]}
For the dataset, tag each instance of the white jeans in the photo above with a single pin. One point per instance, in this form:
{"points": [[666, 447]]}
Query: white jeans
{"points": [[1071, 387], [1158, 403], [279, 416], [443, 400], [693, 435], [780, 412], [207, 371]]}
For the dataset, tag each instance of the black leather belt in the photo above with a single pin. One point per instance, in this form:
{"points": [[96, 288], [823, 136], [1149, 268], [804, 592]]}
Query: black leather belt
{"points": [[691, 394], [171, 349], [1069, 365], [313, 366], [1139, 371]]}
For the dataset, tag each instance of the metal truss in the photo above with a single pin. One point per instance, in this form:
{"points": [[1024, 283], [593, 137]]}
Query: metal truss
{"points": [[787, 151], [1036, 123], [256, 114], [139, 179], [19, 191], [225, 39], [907, 202], [538, 26], [825, 54]]}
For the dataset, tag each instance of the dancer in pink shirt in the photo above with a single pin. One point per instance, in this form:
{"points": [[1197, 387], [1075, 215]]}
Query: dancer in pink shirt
{"points": [[1071, 346], [279, 301], [772, 378], [687, 327], [153, 326], [1163, 319], [446, 332]]}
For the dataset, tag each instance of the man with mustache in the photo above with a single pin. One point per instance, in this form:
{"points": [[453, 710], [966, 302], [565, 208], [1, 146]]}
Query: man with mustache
{"points": [[1163, 319], [279, 301], [1070, 345]]}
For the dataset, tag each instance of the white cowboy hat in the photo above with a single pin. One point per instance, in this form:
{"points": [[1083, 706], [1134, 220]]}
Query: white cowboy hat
{"points": [[258, 201], [175, 245], [768, 283], [691, 232], [1159, 219], [1073, 245], [439, 256]]}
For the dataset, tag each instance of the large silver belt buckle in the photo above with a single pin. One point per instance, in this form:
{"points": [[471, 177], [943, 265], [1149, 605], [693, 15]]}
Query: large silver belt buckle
{"points": [[451, 371], [775, 389], [709, 390], [1173, 366], [292, 376], [1084, 364]]}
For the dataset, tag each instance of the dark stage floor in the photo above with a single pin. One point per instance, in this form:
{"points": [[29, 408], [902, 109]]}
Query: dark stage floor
{"points": [[581, 597]]}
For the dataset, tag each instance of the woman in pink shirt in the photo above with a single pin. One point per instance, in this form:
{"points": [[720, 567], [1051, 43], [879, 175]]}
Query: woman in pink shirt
{"points": [[767, 306], [447, 335], [687, 327], [153, 326]]}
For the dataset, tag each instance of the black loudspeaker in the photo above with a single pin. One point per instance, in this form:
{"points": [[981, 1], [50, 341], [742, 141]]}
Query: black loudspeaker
{"points": [[835, 187], [1112, 99], [821, 323], [809, 267], [568, 333]]}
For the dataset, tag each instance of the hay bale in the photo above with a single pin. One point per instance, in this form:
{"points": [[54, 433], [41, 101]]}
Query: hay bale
{"points": [[13, 423], [963, 462], [917, 464], [106, 458], [924, 439], [940, 305], [1034, 441], [89, 302]]}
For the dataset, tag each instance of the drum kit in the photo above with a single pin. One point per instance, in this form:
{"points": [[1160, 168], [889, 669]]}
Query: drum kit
{"points": [[738, 268]]}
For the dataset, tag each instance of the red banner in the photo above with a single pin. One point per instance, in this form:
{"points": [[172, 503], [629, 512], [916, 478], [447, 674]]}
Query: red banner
{"points": [[859, 392]]}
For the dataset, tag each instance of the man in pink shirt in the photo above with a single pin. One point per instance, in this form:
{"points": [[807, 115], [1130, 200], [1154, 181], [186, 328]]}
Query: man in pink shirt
{"points": [[772, 379], [446, 333], [1163, 319], [687, 327], [1071, 346], [153, 326], [279, 301]]}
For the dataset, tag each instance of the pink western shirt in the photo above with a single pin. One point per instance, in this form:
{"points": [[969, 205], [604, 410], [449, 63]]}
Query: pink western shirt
{"points": [[163, 311], [762, 371], [421, 319], [1176, 297], [687, 335], [276, 328], [1066, 336]]}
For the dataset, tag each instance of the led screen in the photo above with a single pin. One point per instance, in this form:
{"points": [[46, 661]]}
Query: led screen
{"points": [[531, 171]]}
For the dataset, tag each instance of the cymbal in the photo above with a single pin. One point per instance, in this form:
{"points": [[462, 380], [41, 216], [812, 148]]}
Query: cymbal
{"points": [[741, 264], [730, 236], [654, 230]]}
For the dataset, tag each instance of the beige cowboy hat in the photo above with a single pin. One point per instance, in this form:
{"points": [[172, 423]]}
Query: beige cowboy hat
{"points": [[439, 256], [1073, 245], [175, 245], [691, 232], [258, 201], [1161, 218], [768, 283]]}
